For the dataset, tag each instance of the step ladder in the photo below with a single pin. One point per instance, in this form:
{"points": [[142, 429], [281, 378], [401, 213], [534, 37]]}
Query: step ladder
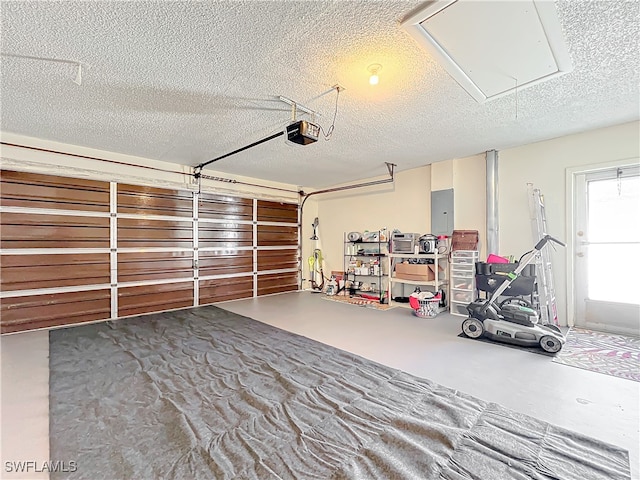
{"points": [[545, 294]]}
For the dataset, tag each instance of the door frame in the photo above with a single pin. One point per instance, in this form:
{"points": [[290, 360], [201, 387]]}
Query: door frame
{"points": [[571, 203]]}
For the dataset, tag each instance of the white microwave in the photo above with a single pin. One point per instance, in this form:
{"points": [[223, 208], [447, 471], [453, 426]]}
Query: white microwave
{"points": [[404, 242]]}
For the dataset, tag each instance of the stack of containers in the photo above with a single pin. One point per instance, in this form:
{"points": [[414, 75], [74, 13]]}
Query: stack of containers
{"points": [[463, 280]]}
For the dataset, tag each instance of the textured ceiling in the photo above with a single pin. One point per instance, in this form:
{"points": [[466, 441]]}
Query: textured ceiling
{"points": [[189, 81]]}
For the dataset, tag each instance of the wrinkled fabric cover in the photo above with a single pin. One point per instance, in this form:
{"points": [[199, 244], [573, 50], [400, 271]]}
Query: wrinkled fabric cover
{"points": [[207, 394]]}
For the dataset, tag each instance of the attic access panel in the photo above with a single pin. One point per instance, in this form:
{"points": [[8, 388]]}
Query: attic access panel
{"points": [[492, 48]]}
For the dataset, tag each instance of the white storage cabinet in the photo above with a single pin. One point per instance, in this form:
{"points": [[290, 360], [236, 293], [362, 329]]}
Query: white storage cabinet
{"points": [[462, 286]]}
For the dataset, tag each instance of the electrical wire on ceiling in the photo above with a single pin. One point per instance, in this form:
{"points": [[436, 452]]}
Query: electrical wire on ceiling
{"points": [[297, 135], [327, 135], [197, 171]]}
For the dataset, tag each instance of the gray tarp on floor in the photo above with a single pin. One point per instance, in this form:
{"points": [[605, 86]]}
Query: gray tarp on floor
{"points": [[206, 394]]}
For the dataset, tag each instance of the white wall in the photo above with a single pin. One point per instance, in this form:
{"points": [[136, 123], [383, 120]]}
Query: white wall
{"points": [[544, 164], [470, 196], [442, 175], [405, 205], [467, 177], [309, 213]]}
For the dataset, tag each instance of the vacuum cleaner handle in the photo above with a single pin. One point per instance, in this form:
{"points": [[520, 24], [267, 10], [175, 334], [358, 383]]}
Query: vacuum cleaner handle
{"points": [[524, 261], [544, 240]]}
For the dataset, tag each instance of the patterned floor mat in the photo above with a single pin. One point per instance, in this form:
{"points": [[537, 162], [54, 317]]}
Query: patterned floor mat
{"points": [[615, 355], [360, 302]]}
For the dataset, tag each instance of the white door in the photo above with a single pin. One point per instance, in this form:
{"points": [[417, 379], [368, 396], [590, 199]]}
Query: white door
{"points": [[607, 247]]}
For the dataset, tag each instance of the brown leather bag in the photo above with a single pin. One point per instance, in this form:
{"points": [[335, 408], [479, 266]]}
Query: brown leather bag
{"points": [[464, 240]]}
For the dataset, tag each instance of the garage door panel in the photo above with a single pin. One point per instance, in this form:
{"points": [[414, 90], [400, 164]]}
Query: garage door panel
{"points": [[277, 259], [31, 190], [220, 290], [224, 235], [142, 266], [225, 207], [133, 199], [216, 264], [277, 283], [139, 232], [154, 298], [53, 231], [48, 310], [276, 235], [25, 272], [277, 212]]}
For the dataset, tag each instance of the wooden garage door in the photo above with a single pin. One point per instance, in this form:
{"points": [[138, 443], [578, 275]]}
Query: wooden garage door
{"points": [[232, 246], [75, 250], [277, 252], [154, 245], [55, 262]]}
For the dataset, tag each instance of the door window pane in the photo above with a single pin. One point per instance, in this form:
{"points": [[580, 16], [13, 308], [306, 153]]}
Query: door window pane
{"points": [[614, 217], [613, 273]]}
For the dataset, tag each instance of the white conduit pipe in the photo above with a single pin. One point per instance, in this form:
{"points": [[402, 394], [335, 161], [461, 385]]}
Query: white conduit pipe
{"points": [[493, 243]]}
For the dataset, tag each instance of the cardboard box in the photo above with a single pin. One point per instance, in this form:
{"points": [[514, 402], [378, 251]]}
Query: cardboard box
{"points": [[418, 273]]}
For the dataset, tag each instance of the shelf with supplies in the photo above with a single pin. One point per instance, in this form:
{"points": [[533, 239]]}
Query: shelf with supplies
{"points": [[418, 270], [462, 287], [364, 264]]}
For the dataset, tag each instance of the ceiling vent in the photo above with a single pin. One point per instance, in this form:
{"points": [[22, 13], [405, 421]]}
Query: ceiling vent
{"points": [[493, 48]]}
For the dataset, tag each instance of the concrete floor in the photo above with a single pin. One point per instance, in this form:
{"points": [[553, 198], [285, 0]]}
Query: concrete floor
{"points": [[598, 405]]}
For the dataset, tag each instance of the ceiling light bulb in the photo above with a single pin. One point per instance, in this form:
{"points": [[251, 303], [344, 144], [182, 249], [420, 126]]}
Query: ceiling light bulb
{"points": [[373, 70]]}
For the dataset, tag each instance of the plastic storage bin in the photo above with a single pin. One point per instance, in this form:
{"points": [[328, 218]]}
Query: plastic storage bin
{"points": [[458, 273], [463, 296], [465, 283], [464, 254], [462, 284]]}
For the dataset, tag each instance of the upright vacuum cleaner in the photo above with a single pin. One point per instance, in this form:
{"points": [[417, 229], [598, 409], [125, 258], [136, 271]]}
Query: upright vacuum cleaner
{"points": [[315, 267], [315, 262], [512, 323]]}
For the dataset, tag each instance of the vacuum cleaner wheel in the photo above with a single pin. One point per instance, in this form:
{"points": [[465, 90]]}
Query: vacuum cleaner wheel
{"points": [[472, 327], [550, 344]]}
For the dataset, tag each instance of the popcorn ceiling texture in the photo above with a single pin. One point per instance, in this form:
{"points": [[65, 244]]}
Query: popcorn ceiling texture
{"points": [[189, 81]]}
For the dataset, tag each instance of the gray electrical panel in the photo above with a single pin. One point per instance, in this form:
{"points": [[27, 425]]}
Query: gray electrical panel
{"points": [[442, 212]]}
